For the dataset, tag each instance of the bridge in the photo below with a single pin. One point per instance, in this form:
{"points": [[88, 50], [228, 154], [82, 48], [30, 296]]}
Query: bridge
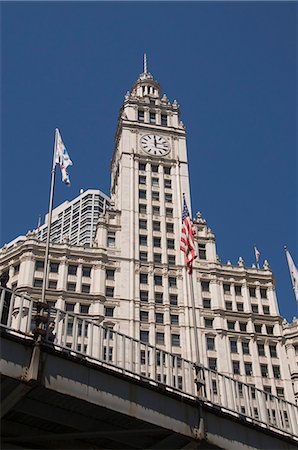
{"points": [[92, 387]]}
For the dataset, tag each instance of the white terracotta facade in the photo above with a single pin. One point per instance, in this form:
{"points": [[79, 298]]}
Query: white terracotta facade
{"points": [[133, 275]]}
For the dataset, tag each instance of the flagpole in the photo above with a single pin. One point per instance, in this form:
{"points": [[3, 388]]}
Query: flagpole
{"points": [[194, 318], [46, 258]]}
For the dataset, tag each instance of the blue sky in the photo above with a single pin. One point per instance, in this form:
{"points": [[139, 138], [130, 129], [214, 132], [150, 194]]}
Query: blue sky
{"points": [[231, 66]]}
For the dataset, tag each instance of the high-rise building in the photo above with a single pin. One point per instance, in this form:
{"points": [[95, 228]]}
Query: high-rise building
{"points": [[76, 220], [133, 276]]}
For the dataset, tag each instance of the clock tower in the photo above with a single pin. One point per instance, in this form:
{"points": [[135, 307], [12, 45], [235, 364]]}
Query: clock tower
{"points": [[149, 176]]}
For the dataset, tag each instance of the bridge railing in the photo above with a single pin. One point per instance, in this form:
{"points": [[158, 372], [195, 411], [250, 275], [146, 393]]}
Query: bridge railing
{"points": [[101, 343], [89, 339], [246, 401]]}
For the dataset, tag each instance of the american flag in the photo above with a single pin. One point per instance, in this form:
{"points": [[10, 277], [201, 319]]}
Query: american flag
{"points": [[187, 238]]}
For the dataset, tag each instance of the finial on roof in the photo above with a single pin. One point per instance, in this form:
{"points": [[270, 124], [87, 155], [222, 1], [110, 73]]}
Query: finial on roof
{"points": [[145, 63]]}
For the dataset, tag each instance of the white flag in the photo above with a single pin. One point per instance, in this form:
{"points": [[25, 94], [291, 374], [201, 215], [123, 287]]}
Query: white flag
{"points": [[294, 274], [62, 157]]}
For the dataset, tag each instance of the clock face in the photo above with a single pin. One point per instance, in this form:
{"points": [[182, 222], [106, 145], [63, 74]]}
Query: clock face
{"points": [[155, 145]]}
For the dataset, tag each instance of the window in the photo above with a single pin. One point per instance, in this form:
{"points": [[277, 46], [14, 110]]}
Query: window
{"points": [[142, 179], [142, 194], [158, 280], [173, 300], [158, 297], [167, 170], [252, 291], [168, 184], [208, 323], [280, 392], [210, 343], [142, 166], [172, 282], [160, 338], [255, 308], [159, 317], [69, 328], [72, 269], [39, 265], [156, 225], [205, 286], [263, 292], [258, 328], [175, 339], [168, 198], [269, 329], [236, 367], [245, 348], [229, 306], [276, 371], [202, 251], [86, 288], [144, 315], [140, 115], [144, 296], [111, 240], [156, 242], [143, 224], [155, 181], [108, 354], [171, 244], [109, 311], [273, 352], [86, 271], [206, 303], [238, 290], [164, 120], [54, 267], [154, 168], [155, 196], [143, 256], [84, 309], [109, 291], [231, 325], [266, 310], [155, 210], [212, 363], [143, 278], [143, 357], [248, 369], [71, 287], [261, 349], [233, 346], [108, 332], [240, 306], [69, 307], [171, 260], [174, 319], [152, 117], [264, 370], [157, 258], [169, 227], [242, 326], [142, 209], [110, 274], [16, 268], [227, 288], [169, 212], [143, 240], [52, 284]]}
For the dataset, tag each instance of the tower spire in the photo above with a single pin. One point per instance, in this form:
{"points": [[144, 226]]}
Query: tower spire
{"points": [[145, 63]]}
